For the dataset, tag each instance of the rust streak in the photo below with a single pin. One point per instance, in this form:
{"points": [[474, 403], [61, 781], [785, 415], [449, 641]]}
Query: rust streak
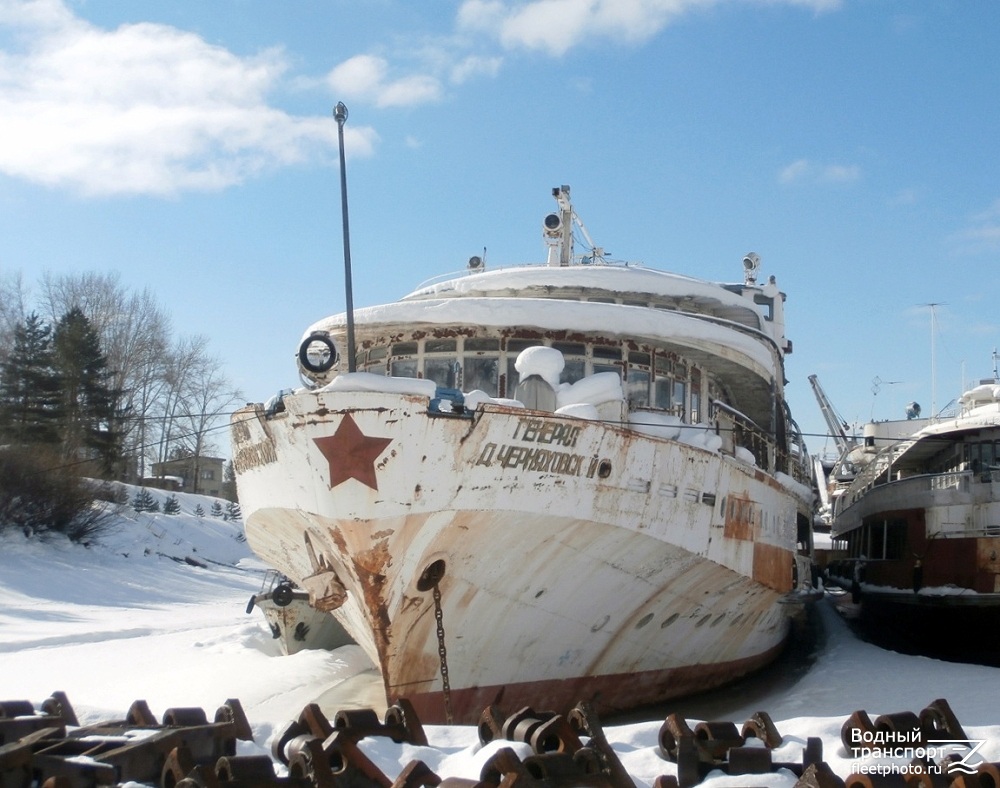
{"points": [[772, 566]]}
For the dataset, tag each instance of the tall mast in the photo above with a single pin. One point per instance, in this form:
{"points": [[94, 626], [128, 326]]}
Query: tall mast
{"points": [[933, 359], [340, 115]]}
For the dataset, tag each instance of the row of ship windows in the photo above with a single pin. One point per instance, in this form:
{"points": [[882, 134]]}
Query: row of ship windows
{"points": [[878, 540], [654, 379], [981, 456], [978, 456]]}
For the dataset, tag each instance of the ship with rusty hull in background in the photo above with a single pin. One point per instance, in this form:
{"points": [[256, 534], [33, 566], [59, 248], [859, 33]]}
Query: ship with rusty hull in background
{"points": [[545, 484]]}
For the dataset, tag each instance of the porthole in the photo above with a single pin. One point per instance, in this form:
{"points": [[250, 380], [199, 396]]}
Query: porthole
{"points": [[644, 620], [669, 620]]}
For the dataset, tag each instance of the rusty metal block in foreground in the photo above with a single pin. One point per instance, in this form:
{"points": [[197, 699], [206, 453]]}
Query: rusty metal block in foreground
{"points": [[46, 748], [135, 749]]}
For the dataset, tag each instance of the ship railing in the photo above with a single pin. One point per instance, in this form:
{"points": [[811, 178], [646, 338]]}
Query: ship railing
{"points": [[768, 455], [964, 531], [877, 472], [799, 461], [745, 433], [918, 490]]}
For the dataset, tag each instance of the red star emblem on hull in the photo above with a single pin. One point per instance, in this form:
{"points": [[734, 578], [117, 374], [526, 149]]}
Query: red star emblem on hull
{"points": [[351, 453]]}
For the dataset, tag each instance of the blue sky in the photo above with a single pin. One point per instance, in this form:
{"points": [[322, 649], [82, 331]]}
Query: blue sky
{"points": [[191, 147]]}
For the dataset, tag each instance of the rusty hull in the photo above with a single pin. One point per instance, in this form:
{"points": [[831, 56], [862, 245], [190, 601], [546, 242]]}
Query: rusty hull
{"points": [[581, 561]]}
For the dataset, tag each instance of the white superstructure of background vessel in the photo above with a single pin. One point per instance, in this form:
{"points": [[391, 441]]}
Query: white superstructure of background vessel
{"points": [[917, 529]]}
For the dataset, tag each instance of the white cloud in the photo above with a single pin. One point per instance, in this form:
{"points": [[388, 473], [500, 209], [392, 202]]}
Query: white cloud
{"points": [[556, 26], [366, 77], [794, 172], [804, 170], [142, 109], [359, 75], [839, 173], [474, 66], [34, 13], [551, 26]]}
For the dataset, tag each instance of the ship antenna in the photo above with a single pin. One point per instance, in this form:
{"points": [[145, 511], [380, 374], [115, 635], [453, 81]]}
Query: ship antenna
{"points": [[340, 115], [932, 306]]}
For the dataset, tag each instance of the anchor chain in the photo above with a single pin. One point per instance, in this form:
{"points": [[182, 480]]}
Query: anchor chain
{"points": [[442, 652]]}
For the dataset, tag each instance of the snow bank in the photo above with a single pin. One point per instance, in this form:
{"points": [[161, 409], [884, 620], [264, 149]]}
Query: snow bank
{"points": [[702, 436], [368, 381], [801, 490], [664, 425], [655, 424], [476, 397], [119, 621], [594, 389], [580, 410]]}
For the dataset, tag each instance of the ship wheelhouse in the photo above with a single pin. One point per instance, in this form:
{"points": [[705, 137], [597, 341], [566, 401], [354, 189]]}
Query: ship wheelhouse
{"points": [[655, 379], [652, 377], [702, 354]]}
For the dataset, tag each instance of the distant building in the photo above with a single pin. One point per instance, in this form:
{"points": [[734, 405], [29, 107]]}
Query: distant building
{"points": [[170, 483], [202, 475]]}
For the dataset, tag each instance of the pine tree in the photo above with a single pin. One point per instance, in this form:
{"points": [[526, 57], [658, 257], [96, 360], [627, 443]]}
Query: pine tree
{"points": [[229, 481], [233, 511], [216, 509], [144, 501], [198, 511], [30, 406], [171, 505], [91, 426]]}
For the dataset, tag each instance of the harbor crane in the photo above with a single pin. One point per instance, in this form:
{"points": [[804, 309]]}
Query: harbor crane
{"points": [[834, 421], [845, 444]]}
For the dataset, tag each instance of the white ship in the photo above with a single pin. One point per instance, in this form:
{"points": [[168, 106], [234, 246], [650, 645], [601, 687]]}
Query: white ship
{"points": [[575, 481], [918, 529]]}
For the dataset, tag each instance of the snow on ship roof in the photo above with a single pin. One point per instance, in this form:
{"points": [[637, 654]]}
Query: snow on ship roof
{"points": [[981, 409], [621, 280], [636, 322]]}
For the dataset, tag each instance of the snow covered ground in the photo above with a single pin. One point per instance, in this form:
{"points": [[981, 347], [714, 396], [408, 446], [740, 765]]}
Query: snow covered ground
{"points": [[158, 612]]}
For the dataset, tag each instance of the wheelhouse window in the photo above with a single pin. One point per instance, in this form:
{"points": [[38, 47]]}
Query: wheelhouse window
{"points": [[678, 393], [696, 415], [650, 377], [575, 355], [608, 359], [663, 383], [374, 360], [514, 347], [638, 379], [481, 366], [404, 360], [441, 364]]}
